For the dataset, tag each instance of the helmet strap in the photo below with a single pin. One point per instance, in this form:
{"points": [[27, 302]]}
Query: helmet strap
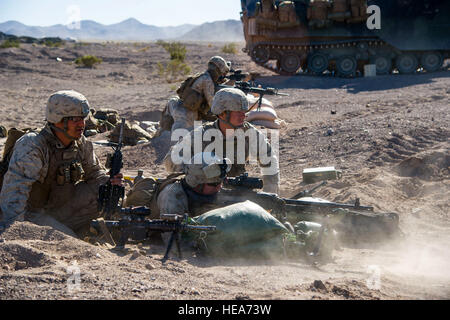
{"points": [[68, 136], [227, 121]]}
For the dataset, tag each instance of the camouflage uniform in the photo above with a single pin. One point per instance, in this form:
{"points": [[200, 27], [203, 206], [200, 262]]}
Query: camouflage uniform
{"points": [[182, 116], [179, 198], [205, 85], [30, 187], [50, 184], [271, 180], [226, 101], [173, 199]]}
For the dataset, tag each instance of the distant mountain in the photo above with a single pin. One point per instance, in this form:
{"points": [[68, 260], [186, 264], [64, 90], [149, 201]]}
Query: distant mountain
{"points": [[131, 29], [228, 30]]}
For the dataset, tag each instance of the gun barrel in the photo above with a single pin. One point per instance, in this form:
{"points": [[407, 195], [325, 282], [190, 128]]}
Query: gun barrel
{"points": [[305, 203], [119, 145], [247, 88], [110, 224]]}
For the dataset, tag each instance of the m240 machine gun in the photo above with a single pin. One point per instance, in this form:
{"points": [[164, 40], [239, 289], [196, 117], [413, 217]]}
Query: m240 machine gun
{"points": [[134, 224], [354, 221]]}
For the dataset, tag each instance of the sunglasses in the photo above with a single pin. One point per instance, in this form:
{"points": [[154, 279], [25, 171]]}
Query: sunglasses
{"points": [[75, 119], [215, 184]]}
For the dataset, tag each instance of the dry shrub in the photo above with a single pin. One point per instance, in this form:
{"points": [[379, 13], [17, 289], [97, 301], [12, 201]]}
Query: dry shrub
{"points": [[173, 70], [230, 48], [88, 61], [10, 44], [176, 50], [176, 67]]}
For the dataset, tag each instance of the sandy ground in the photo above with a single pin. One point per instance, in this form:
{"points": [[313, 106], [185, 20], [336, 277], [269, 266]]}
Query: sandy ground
{"points": [[389, 136]]}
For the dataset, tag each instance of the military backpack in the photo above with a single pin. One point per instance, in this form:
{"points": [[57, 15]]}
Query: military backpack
{"points": [[12, 137], [192, 99], [145, 192]]}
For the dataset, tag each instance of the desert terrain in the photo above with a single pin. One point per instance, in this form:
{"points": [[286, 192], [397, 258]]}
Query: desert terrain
{"points": [[389, 135]]}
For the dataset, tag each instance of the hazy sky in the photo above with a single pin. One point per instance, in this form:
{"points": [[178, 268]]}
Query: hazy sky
{"points": [[152, 12]]}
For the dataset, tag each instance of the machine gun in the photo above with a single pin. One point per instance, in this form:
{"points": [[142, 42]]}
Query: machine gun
{"points": [[110, 197], [353, 220], [134, 224], [249, 87], [235, 75], [244, 181]]}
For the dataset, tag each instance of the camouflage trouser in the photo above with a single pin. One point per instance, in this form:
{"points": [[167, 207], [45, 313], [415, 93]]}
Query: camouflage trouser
{"points": [[183, 117], [75, 215]]}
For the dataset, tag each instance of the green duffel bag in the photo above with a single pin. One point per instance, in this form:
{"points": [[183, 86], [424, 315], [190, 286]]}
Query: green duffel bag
{"points": [[243, 230]]}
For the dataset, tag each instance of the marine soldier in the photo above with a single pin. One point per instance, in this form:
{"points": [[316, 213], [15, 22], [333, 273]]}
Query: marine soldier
{"points": [[195, 96], [230, 106], [195, 193], [54, 175]]}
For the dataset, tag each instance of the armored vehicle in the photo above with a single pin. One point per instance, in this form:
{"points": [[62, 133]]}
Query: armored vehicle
{"points": [[341, 36]]}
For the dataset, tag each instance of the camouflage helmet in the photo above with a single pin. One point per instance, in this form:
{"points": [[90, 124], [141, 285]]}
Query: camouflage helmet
{"points": [[220, 63], [206, 167], [229, 99], [66, 103]]}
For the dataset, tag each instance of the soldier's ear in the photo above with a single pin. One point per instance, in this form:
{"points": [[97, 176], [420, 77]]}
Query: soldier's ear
{"points": [[223, 115]]}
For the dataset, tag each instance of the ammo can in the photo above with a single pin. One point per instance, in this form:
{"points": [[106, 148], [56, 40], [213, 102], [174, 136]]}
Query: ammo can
{"points": [[312, 175]]}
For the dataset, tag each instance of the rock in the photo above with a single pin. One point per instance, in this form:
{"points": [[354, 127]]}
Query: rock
{"points": [[318, 284], [153, 126], [3, 132], [136, 254], [90, 133], [341, 292], [330, 132], [21, 265], [149, 266], [194, 292]]}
